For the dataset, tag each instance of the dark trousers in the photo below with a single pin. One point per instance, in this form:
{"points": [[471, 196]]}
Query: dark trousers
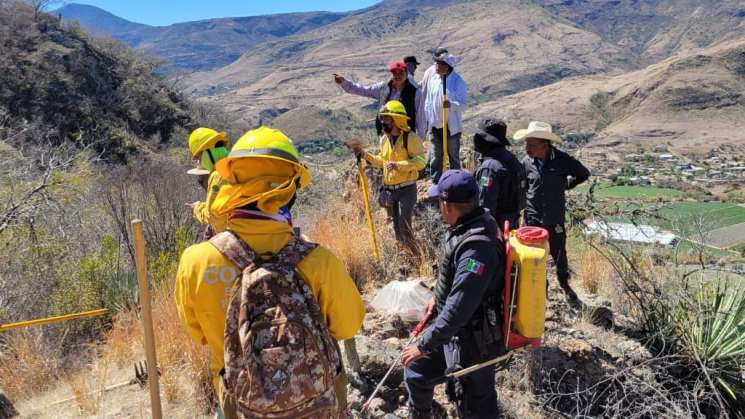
{"points": [[557, 242], [402, 211], [435, 158], [479, 391]]}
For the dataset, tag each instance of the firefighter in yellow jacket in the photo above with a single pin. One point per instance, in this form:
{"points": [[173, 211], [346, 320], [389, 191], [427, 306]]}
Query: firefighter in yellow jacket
{"points": [[208, 147], [402, 157], [262, 174]]}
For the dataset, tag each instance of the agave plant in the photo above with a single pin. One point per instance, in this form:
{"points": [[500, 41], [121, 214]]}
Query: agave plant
{"points": [[712, 336]]}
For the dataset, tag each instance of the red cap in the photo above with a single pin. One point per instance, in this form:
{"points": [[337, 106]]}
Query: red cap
{"points": [[397, 66]]}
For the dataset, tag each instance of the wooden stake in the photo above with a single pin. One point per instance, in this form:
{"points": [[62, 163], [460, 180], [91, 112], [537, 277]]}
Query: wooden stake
{"points": [[353, 357], [147, 319]]}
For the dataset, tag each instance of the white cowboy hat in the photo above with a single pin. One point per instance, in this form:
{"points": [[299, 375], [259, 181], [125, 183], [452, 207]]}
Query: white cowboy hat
{"points": [[448, 59], [539, 130], [198, 171]]}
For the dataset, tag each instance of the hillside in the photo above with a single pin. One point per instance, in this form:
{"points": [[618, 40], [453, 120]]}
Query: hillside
{"points": [[692, 104], [655, 29], [506, 47], [201, 45], [60, 87]]}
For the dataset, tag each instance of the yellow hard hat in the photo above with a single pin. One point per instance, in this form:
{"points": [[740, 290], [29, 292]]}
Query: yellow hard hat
{"points": [[265, 143], [394, 109], [397, 111], [205, 138]]}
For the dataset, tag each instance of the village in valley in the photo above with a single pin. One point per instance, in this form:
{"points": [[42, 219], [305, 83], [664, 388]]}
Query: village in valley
{"points": [[698, 199]]}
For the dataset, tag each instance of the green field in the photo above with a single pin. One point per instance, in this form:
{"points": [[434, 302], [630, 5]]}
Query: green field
{"points": [[688, 216], [607, 190], [710, 215]]}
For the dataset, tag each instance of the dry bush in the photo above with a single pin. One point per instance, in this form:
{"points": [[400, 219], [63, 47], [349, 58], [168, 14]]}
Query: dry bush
{"points": [[27, 363]]}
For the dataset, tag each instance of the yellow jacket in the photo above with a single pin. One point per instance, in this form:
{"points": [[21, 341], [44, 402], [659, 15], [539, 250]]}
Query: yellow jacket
{"points": [[205, 279], [202, 209], [409, 162]]}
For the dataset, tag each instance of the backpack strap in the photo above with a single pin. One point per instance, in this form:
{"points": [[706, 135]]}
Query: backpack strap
{"points": [[235, 249], [294, 251]]}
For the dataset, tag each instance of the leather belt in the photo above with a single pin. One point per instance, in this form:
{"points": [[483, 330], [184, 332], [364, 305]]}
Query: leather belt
{"points": [[399, 186]]}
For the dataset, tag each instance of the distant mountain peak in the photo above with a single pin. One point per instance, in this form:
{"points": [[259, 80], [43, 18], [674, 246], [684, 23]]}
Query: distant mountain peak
{"points": [[97, 20]]}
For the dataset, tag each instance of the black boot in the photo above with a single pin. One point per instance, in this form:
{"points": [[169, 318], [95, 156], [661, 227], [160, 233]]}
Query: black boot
{"points": [[415, 413], [571, 296]]}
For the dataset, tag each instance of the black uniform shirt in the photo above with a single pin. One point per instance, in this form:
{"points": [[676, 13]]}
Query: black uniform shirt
{"points": [[547, 182]]}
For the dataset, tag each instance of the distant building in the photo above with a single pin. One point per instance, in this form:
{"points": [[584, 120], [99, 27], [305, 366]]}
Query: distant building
{"points": [[666, 157], [631, 233]]}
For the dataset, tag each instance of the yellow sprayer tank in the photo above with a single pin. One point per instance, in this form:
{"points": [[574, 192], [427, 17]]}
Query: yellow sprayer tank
{"points": [[527, 253]]}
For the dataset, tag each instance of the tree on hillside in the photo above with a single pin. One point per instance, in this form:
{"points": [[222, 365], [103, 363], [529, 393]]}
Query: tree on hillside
{"points": [[40, 6]]}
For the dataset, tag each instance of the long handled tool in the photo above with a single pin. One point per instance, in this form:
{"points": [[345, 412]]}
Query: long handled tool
{"points": [[445, 155], [417, 330], [141, 375], [147, 317], [92, 313], [368, 213], [473, 368]]}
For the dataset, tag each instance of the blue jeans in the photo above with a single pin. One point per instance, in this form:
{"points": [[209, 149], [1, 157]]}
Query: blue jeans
{"points": [[435, 158], [479, 388]]}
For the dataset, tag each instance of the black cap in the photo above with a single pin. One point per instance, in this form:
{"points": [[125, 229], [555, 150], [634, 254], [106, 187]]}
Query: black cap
{"points": [[457, 186], [411, 59], [493, 131]]}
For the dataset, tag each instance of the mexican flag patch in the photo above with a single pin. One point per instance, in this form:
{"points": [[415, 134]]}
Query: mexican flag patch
{"points": [[475, 267], [486, 182]]}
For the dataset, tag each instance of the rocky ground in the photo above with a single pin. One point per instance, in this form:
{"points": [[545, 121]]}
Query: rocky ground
{"points": [[580, 349]]}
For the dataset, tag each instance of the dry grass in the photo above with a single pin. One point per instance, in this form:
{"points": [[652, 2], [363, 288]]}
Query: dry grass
{"points": [[183, 364], [27, 363], [87, 386], [185, 380], [343, 230], [595, 273]]}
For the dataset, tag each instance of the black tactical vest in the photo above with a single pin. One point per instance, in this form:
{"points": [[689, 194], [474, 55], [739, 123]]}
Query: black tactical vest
{"points": [[478, 228], [408, 99]]}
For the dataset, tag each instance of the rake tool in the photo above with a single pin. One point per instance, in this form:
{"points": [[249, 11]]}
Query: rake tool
{"points": [[417, 330], [141, 378]]}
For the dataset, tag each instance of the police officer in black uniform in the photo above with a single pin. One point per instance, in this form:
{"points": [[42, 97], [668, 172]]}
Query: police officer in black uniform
{"points": [[501, 176], [467, 304], [551, 172]]}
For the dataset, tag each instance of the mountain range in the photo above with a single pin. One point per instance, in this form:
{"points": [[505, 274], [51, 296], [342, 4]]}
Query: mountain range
{"points": [[664, 71], [201, 45]]}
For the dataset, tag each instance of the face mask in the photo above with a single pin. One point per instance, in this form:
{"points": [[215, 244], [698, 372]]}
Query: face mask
{"points": [[212, 156], [480, 144], [387, 128]]}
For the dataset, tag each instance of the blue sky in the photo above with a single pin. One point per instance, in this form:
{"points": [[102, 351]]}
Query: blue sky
{"points": [[165, 12]]}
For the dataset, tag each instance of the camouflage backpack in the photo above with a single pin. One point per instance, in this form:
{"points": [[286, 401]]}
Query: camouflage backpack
{"points": [[280, 359]]}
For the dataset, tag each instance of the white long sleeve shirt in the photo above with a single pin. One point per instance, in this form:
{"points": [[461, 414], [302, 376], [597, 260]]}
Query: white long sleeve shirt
{"points": [[457, 91]]}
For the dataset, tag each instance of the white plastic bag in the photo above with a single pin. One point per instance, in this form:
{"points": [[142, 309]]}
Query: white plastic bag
{"points": [[404, 298]]}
